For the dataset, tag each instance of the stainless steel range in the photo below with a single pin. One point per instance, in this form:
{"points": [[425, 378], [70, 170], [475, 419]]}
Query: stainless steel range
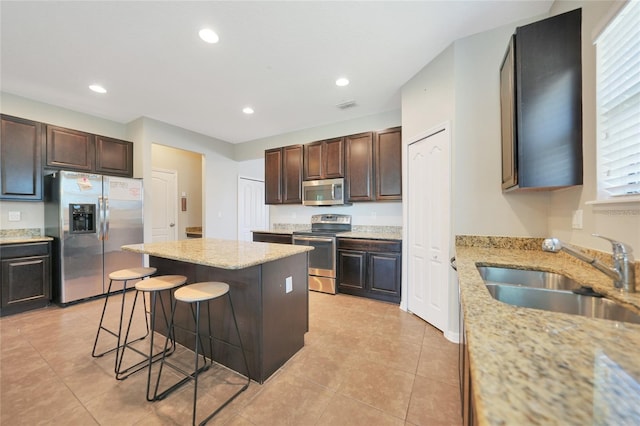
{"points": [[322, 260]]}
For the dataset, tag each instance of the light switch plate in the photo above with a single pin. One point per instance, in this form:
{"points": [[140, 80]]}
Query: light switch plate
{"points": [[288, 284], [15, 216]]}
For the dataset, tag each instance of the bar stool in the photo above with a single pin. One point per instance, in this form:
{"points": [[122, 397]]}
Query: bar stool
{"points": [[124, 275], [152, 286], [196, 294]]}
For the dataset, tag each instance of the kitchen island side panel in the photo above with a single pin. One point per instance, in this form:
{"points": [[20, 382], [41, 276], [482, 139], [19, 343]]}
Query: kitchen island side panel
{"points": [[285, 314], [268, 341]]}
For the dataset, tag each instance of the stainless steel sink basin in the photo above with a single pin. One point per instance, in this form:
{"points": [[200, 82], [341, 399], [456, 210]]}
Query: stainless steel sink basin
{"points": [[562, 301], [550, 292], [527, 278]]}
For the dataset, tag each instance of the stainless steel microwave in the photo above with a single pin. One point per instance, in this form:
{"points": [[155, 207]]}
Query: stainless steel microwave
{"points": [[325, 192]]}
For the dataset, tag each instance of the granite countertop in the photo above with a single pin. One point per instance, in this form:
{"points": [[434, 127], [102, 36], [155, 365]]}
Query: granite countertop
{"points": [[358, 231], [224, 254], [372, 235], [22, 235], [24, 239], [537, 367]]}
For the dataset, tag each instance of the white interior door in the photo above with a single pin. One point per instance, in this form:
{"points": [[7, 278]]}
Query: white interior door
{"points": [[164, 205], [253, 213], [428, 228]]}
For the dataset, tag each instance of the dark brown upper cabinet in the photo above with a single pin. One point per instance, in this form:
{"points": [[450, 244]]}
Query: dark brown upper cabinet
{"points": [[70, 149], [388, 164], [324, 159], [292, 174], [273, 176], [359, 167], [114, 156], [541, 105], [80, 151], [20, 159], [283, 175]]}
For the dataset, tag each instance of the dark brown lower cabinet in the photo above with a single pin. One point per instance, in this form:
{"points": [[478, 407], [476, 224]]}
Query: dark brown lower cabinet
{"points": [[370, 268], [468, 412], [270, 237], [25, 271], [466, 398]]}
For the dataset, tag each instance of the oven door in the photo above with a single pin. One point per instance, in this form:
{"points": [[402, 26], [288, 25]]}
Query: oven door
{"points": [[322, 261]]}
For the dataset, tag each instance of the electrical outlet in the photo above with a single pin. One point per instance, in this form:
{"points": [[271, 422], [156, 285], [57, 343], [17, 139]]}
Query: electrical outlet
{"points": [[15, 216], [288, 282]]}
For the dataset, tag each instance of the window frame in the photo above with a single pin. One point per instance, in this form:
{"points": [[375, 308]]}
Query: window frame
{"points": [[602, 195]]}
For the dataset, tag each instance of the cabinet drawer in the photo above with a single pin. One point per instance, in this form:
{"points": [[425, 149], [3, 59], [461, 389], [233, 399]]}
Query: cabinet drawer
{"points": [[21, 250], [387, 246]]}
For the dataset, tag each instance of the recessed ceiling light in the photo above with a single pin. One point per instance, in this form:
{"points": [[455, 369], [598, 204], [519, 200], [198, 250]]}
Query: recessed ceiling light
{"points": [[208, 35], [97, 88], [342, 82], [247, 110]]}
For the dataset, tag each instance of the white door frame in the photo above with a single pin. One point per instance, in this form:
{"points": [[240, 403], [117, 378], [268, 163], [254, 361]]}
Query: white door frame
{"points": [[451, 333]]}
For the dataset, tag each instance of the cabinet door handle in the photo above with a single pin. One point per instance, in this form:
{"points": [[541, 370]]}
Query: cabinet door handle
{"points": [[453, 264]]}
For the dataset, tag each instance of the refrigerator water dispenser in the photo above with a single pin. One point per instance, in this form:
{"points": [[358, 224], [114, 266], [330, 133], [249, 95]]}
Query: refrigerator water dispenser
{"points": [[83, 218]]}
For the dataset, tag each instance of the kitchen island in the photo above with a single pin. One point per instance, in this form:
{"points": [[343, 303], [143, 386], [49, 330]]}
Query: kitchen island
{"points": [[269, 289], [530, 366]]}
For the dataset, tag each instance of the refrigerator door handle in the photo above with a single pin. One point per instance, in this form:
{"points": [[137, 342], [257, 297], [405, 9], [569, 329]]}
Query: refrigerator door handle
{"points": [[101, 219], [106, 218]]}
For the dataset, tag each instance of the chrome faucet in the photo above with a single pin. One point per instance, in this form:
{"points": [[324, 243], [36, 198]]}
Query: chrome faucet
{"points": [[622, 272]]}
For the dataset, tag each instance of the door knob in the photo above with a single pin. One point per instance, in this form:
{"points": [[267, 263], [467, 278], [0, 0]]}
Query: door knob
{"points": [[172, 225]]}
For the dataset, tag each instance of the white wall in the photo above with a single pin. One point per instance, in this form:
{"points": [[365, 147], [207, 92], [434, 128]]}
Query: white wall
{"points": [[480, 207], [219, 173], [32, 215], [369, 214], [622, 221], [252, 168]]}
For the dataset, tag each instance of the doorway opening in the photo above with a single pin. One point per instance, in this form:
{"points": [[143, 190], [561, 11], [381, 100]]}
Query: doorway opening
{"points": [[182, 206]]}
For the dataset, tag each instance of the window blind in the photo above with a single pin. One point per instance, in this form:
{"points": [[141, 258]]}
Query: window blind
{"points": [[618, 100]]}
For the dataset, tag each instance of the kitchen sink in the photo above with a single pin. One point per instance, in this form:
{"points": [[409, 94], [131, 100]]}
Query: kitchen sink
{"points": [[550, 292], [527, 278]]}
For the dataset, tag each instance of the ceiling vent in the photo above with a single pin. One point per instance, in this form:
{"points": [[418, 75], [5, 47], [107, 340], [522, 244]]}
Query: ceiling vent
{"points": [[346, 104]]}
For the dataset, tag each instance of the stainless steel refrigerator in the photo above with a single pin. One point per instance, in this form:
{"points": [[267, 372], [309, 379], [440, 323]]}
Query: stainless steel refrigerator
{"points": [[90, 217]]}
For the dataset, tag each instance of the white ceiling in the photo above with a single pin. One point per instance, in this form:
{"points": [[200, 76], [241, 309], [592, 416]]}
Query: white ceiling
{"points": [[282, 58]]}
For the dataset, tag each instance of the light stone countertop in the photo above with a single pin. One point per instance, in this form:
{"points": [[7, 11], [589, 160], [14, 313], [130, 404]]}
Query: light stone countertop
{"points": [[368, 235], [22, 235], [224, 254], [358, 231], [537, 367], [24, 239]]}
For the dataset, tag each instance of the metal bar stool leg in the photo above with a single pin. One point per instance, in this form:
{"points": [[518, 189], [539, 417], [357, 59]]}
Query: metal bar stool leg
{"points": [[154, 287], [124, 275], [196, 294], [100, 326]]}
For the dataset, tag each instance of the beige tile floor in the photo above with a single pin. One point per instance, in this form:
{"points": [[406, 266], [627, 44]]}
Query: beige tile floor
{"points": [[364, 363]]}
